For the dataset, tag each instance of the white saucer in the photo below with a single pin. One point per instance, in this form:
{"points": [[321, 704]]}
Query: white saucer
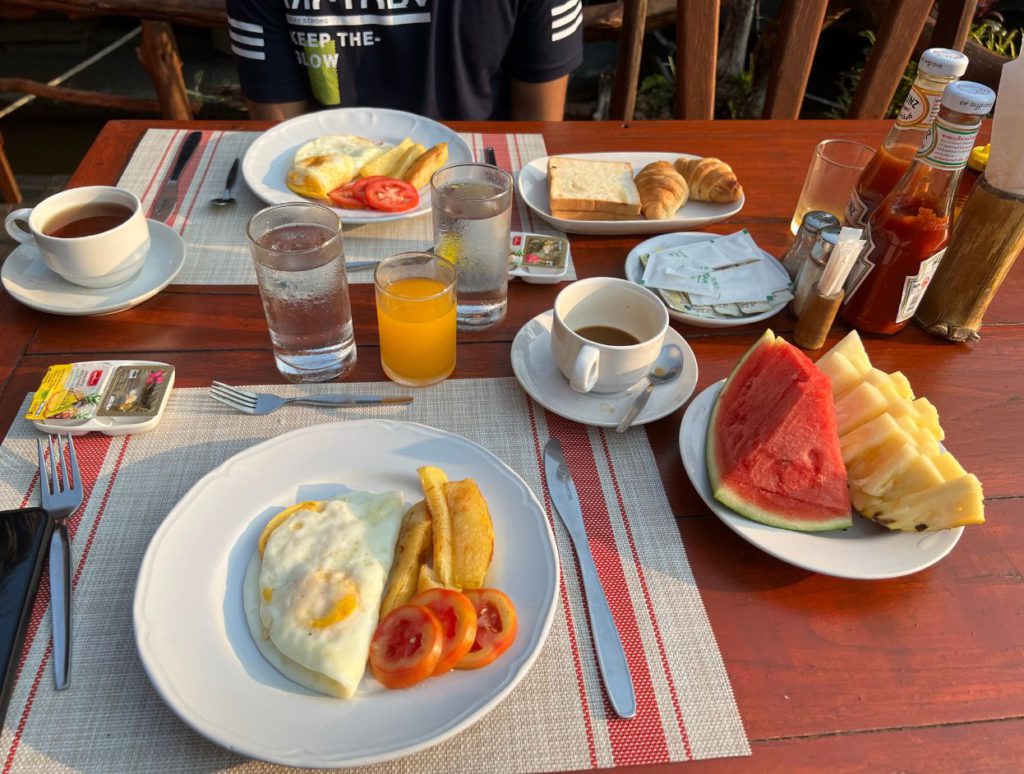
{"points": [[27, 279], [540, 377]]}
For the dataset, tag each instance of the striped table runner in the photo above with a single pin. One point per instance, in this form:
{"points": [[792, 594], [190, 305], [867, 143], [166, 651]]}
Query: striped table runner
{"points": [[111, 719], [217, 248]]}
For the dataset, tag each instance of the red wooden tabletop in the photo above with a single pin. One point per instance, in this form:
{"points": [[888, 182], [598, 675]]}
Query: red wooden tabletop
{"points": [[922, 673]]}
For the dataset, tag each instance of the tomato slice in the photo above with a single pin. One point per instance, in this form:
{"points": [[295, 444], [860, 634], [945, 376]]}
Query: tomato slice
{"points": [[495, 627], [406, 647], [345, 198], [359, 185], [390, 194], [458, 620]]}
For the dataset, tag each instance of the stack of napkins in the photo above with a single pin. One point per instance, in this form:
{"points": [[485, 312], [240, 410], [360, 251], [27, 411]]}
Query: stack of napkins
{"points": [[721, 277]]}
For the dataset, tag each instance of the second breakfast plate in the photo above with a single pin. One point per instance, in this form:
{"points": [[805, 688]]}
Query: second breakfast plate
{"points": [[191, 630], [533, 189], [866, 551], [269, 159]]}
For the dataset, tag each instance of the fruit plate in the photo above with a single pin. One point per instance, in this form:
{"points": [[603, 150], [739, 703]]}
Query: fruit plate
{"points": [[190, 625], [268, 160], [866, 551], [533, 189]]}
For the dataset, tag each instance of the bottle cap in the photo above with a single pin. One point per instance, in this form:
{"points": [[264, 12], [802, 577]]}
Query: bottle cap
{"points": [[943, 61], [970, 98], [815, 220]]}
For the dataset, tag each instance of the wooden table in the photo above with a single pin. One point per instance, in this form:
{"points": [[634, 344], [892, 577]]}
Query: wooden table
{"points": [[923, 673]]}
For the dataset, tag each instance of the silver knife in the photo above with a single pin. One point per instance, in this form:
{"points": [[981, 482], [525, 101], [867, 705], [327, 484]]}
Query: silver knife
{"points": [[489, 156], [168, 196], [611, 658]]}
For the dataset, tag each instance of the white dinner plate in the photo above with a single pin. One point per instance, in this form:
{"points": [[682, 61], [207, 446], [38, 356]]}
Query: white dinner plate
{"points": [[28, 280], [191, 630], [543, 381], [635, 273], [533, 189], [866, 551], [269, 159]]}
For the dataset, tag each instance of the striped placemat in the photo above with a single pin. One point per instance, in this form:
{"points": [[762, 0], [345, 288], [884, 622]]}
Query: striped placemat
{"points": [[217, 248], [111, 719]]}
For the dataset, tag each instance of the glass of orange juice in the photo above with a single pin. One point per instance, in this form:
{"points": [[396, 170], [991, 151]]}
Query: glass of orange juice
{"points": [[416, 317]]}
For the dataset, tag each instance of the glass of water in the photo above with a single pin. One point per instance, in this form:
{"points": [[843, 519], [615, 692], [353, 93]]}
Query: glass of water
{"points": [[472, 206], [299, 256]]}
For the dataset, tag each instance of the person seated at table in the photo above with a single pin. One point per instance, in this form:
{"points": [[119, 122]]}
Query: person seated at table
{"points": [[446, 59]]}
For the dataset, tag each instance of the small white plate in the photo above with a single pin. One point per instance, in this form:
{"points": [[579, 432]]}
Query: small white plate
{"points": [[27, 279], [635, 273], [533, 189], [866, 551], [190, 626], [269, 159], [540, 377]]}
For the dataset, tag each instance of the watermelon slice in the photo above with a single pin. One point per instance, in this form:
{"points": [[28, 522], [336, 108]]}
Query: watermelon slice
{"points": [[773, 448]]}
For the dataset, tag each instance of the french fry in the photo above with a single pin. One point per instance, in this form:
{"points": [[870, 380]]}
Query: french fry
{"points": [[410, 156], [387, 163], [427, 579], [419, 172], [433, 480], [413, 549], [472, 533]]}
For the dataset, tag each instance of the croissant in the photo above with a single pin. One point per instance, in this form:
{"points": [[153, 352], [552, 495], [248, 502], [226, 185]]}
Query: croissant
{"points": [[710, 180], [662, 190]]}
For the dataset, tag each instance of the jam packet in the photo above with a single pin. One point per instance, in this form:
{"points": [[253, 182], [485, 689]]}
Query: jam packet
{"points": [[136, 391], [70, 391], [538, 256]]}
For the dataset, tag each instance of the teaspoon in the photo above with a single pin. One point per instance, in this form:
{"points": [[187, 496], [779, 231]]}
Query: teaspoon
{"points": [[666, 368]]}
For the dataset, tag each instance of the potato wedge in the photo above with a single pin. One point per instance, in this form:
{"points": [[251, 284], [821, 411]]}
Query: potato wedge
{"points": [[433, 480], [419, 172], [472, 533], [427, 579], [410, 156], [412, 550], [387, 163]]}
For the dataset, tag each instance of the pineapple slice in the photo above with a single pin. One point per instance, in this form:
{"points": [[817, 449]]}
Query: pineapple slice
{"points": [[948, 466], [859, 406], [841, 373], [925, 439], [922, 412], [916, 474], [877, 458], [894, 386], [852, 348], [887, 471], [902, 384], [951, 504], [869, 435]]}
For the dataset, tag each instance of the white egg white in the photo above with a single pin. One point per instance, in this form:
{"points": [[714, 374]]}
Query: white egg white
{"points": [[312, 602]]}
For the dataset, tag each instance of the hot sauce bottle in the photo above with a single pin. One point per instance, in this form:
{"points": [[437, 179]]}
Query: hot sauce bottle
{"points": [[907, 234], [938, 68]]}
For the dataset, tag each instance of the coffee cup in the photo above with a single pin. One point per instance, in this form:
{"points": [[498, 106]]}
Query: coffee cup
{"points": [[95, 236], [606, 333]]}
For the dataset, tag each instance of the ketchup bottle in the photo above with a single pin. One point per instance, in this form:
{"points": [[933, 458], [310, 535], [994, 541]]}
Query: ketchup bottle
{"points": [[907, 235], [938, 68]]}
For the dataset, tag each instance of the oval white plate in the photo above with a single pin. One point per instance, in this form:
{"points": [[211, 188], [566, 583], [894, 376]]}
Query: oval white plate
{"points": [[635, 273], [269, 158], [543, 381], [533, 189], [191, 631], [27, 279], [866, 551]]}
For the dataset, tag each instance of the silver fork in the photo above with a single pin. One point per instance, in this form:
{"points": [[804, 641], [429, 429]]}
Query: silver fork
{"points": [[60, 495], [250, 402]]}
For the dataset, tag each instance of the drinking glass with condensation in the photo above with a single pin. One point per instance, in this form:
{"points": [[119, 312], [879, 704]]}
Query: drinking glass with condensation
{"points": [[472, 205], [835, 169], [299, 256], [416, 317]]}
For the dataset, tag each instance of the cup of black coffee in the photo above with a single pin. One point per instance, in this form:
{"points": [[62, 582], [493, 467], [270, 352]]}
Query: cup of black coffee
{"points": [[96, 236]]}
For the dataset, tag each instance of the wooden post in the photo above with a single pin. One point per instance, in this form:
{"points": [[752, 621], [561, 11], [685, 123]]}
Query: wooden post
{"points": [[696, 58], [627, 69], [159, 57], [799, 29], [953, 24], [8, 184]]}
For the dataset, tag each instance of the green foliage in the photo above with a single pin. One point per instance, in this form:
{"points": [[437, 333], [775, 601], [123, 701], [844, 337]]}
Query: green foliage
{"points": [[740, 89], [995, 37]]}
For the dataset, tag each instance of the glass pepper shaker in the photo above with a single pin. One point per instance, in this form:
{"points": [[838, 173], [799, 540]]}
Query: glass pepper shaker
{"points": [[812, 224], [812, 268]]}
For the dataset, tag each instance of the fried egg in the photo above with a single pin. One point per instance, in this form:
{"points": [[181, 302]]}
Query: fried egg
{"points": [[328, 162], [313, 588]]}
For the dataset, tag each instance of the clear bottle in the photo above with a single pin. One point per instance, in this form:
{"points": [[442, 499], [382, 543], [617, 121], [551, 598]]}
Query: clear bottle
{"points": [[811, 225], [937, 69], [907, 234], [809, 274]]}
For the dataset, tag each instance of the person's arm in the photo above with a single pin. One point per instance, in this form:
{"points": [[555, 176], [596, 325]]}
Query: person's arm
{"points": [[538, 101], [277, 111]]}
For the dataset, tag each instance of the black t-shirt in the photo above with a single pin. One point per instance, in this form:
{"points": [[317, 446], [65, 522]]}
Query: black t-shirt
{"points": [[439, 58]]}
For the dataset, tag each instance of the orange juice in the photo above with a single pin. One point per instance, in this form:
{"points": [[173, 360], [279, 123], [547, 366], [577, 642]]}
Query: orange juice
{"points": [[416, 318]]}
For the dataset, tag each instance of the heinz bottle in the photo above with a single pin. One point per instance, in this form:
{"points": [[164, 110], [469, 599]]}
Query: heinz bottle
{"points": [[938, 68], [907, 234]]}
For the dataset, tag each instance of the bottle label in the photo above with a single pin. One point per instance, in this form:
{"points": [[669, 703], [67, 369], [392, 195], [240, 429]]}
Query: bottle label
{"points": [[947, 145], [856, 211], [861, 267], [915, 286], [920, 108]]}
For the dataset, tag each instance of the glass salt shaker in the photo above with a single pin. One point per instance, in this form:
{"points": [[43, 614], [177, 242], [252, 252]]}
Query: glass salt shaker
{"points": [[812, 224], [810, 272]]}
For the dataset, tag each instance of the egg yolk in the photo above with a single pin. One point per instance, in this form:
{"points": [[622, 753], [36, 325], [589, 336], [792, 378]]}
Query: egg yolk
{"points": [[322, 599]]}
